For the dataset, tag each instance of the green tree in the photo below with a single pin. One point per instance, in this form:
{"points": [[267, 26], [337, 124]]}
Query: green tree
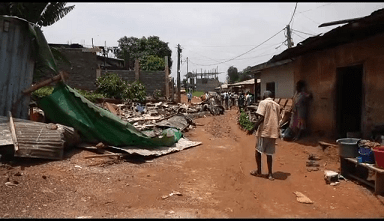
{"points": [[233, 75], [133, 48], [245, 74], [152, 63]]}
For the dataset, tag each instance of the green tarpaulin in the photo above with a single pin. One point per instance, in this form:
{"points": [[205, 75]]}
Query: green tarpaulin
{"points": [[66, 106]]}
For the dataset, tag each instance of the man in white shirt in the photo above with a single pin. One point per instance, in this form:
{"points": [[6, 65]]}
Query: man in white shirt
{"points": [[267, 132]]}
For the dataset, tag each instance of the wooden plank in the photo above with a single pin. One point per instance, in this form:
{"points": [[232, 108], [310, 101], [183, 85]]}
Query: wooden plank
{"points": [[13, 132], [366, 165], [104, 155], [362, 180], [379, 183], [111, 108], [282, 102], [45, 82]]}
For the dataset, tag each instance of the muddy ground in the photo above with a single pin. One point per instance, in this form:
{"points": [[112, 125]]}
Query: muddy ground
{"points": [[211, 180]]}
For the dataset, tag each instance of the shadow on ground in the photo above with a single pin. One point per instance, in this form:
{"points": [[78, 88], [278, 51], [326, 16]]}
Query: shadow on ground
{"points": [[281, 175]]}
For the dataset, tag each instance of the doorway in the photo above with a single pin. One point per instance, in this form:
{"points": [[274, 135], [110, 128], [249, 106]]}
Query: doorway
{"points": [[349, 99]]}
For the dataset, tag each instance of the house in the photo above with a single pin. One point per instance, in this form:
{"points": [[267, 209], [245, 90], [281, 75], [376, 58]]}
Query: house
{"points": [[344, 70], [277, 77], [245, 86]]}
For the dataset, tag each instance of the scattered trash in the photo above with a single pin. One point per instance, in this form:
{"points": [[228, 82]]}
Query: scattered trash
{"points": [[334, 184], [77, 166], [12, 183], [312, 163], [302, 198], [313, 157], [313, 169], [171, 194], [330, 176]]}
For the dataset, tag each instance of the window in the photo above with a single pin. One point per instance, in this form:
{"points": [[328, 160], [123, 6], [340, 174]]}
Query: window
{"points": [[270, 86]]}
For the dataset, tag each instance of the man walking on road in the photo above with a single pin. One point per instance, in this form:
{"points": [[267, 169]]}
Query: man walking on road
{"points": [[267, 126]]}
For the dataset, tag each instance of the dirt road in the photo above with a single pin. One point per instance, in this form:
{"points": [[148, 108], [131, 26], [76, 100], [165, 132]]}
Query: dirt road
{"points": [[208, 181]]}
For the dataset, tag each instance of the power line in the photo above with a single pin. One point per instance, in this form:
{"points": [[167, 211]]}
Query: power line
{"points": [[298, 35], [293, 14], [246, 51], [302, 32], [219, 60], [314, 8], [311, 19]]}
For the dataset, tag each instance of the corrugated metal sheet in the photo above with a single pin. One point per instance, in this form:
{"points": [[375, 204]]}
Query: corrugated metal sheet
{"points": [[16, 66], [36, 139], [355, 30]]}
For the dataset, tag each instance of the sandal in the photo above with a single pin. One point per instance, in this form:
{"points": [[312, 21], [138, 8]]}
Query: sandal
{"points": [[270, 177], [255, 173]]}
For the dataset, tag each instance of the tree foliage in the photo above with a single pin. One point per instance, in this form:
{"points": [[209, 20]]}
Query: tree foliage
{"points": [[39, 13], [233, 75], [143, 48], [112, 85], [245, 74], [152, 63]]}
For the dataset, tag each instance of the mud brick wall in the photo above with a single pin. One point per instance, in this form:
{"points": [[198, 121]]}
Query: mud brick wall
{"points": [[82, 72], [152, 80]]}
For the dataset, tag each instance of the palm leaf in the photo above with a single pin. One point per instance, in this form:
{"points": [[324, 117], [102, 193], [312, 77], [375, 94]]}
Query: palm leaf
{"points": [[54, 12]]}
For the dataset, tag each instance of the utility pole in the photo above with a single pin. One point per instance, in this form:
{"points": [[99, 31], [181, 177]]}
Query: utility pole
{"points": [[289, 39], [178, 74]]}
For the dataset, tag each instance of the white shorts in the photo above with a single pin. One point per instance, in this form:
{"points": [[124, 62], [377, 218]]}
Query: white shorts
{"points": [[266, 145]]}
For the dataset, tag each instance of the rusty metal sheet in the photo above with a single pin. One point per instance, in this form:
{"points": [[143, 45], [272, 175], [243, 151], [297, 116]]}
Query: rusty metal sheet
{"points": [[35, 139], [182, 144]]}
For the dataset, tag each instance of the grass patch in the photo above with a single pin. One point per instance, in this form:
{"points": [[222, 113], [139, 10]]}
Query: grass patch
{"points": [[91, 96], [197, 93]]}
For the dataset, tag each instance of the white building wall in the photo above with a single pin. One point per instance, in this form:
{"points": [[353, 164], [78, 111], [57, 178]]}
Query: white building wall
{"points": [[283, 77]]}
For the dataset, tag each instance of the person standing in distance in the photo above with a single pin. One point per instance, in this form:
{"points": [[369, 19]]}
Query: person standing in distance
{"points": [[267, 126]]}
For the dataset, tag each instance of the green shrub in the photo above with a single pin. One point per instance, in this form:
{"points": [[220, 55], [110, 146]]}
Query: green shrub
{"points": [[135, 92], [245, 122], [111, 85], [42, 92]]}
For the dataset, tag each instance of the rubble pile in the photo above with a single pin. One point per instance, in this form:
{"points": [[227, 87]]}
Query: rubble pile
{"points": [[149, 116]]}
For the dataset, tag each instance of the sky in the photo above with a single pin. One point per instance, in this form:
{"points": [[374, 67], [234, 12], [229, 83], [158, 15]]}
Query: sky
{"points": [[213, 36]]}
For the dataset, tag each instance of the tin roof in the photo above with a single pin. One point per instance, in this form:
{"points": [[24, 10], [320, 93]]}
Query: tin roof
{"points": [[354, 30]]}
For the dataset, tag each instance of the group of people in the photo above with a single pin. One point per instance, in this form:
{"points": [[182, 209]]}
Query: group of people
{"points": [[229, 99], [268, 125]]}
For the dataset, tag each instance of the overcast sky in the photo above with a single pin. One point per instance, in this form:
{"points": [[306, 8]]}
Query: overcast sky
{"points": [[211, 35]]}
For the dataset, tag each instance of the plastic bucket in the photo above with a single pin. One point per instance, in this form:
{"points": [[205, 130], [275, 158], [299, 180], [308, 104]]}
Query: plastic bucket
{"points": [[379, 156], [348, 147], [367, 155]]}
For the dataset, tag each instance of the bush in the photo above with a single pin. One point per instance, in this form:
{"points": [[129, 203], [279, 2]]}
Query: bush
{"points": [[244, 121], [135, 92], [111, 85]]}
